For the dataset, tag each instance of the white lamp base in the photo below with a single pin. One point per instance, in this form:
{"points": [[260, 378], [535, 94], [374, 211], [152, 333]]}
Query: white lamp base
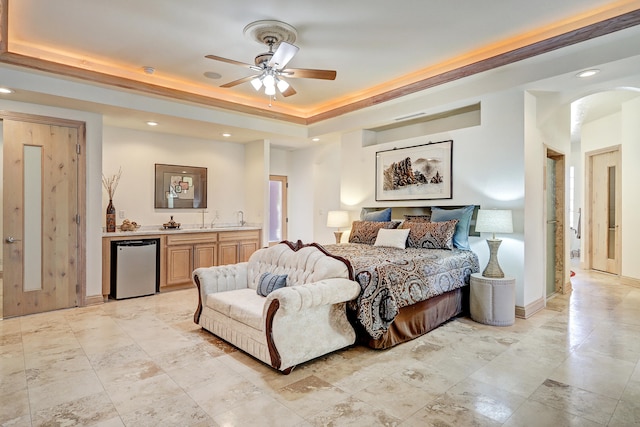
{"points": [[493, 269], [338, 235]]}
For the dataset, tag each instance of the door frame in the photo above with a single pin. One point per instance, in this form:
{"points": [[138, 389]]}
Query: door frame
{"points": [[81, 208], [588, 162], [562, 284]]}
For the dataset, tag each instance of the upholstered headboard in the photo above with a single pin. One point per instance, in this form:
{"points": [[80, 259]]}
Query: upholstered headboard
{"points": [[399, 212]]}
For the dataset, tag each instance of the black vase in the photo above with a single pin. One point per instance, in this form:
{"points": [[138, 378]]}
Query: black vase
{"points": [[111, 217]]}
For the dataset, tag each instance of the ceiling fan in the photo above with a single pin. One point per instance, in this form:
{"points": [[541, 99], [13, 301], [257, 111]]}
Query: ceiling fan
{"points": [[270, 65]]}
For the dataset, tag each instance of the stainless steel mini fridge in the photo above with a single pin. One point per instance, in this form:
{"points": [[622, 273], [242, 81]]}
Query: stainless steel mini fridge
{"points": [[134, 268]]}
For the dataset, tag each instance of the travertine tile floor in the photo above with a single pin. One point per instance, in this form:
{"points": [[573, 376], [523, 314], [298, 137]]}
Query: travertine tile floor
{"points": [[143, 362]]}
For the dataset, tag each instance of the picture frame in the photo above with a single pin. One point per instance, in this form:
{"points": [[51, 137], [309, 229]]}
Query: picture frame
{"points": [[180, 187], [421, 172]]}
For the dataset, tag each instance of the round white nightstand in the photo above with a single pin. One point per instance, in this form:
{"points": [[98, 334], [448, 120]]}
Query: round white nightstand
{"points": [[493, 301]]}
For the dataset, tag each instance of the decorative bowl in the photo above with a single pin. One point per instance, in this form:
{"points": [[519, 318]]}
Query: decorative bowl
{"points": [[171, 224], [129, 225]]}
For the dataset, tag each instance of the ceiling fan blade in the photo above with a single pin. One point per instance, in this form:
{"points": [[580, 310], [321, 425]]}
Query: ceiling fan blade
{"points": [[239, 81], [233, 61], [290, 91], [306, 73], [282, 56]]}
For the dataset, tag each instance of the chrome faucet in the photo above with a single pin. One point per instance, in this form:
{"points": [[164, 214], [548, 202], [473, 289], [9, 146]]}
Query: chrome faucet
{"points": [[241, 221], [213, 221]]}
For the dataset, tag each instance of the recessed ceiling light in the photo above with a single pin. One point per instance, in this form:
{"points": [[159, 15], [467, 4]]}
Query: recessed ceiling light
{"points": [[226, 135], [151, 123], [212, 75], [588, 73], [6, 90], [315, 139]]}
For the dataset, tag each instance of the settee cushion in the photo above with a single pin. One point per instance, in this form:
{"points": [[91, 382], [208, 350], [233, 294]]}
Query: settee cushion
{"points": [[269, 282], [249, 312], [305, 265]]}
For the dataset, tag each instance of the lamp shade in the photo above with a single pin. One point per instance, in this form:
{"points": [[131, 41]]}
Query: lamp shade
{"points": [[494, 221], [338, 219]]}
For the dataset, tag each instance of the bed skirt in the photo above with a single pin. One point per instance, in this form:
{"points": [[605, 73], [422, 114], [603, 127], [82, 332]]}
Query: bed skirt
{"points": [[418, 319]]}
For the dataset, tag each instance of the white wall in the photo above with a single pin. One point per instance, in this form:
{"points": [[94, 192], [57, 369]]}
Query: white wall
{"points": [[137, 152], [278, 161], [630, 179], [314, 189], [488, 169], [301, 189], [256, 186]]}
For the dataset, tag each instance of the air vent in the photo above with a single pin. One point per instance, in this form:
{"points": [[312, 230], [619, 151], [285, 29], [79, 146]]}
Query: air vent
{"points": [[421, 124]]}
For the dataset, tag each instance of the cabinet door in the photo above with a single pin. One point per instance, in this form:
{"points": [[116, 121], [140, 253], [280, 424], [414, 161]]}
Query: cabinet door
{"points": [[227, 253], [246, 249], [179, 264], [204, 256]]}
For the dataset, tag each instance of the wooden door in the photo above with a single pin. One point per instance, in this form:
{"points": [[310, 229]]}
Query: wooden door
{"points": [[179, 264], [551, 227], [205, 255], [227, 253], [555, 222], [246, 249], [40, 217], [605, 211]]}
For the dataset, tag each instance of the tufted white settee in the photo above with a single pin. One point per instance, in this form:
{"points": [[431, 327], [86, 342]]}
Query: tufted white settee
{"points": [[292, 324]]}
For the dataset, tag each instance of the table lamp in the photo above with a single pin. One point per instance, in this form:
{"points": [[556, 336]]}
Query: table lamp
{"points": [[494, 221], [338, 219]]}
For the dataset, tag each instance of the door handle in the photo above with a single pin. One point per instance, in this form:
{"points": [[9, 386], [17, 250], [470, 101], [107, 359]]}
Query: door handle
{"points": [[552, 222], [11, 240]]}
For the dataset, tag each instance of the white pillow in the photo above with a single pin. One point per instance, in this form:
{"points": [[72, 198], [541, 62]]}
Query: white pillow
{"points": [[394, 238]]}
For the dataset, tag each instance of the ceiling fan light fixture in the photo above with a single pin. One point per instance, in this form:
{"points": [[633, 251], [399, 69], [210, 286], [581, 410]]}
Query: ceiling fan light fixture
{"points": [[270, 66], [269, 81], [282, 85], [256, 83]]}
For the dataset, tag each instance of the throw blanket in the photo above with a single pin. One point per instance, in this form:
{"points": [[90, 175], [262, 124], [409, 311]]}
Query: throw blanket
{"points": [[393, 278]]}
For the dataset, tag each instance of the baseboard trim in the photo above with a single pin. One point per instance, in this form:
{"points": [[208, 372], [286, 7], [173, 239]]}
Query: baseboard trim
{"points": [[631, 281], [568, 287], [93, 300], [530, 309]]}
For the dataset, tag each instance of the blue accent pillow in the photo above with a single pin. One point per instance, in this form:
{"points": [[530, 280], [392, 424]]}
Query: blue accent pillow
{"points": [[378, 216], [463, 215], [270, 282]]}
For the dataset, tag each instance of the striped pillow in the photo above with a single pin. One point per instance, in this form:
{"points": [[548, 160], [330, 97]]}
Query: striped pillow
{"points": [[270, 282]]}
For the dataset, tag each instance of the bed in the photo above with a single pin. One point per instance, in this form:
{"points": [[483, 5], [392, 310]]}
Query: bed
{"points": [[407, 291]]}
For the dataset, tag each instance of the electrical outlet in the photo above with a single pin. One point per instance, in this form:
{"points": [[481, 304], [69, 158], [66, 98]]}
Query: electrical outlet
{"points": [[121, 214]]}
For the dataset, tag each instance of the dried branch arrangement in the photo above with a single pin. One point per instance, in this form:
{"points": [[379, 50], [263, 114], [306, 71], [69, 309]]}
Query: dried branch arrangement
{"points": [[111, 183]]}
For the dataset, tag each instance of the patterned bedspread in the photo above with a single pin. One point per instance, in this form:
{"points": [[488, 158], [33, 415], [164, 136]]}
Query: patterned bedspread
{"points": [[393, 278]]}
